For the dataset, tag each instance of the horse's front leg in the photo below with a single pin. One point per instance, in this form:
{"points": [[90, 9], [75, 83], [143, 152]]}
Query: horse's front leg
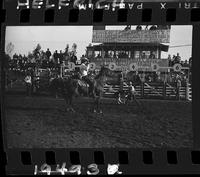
{"points": [[94, 105], [70, 103], [99, 105]]}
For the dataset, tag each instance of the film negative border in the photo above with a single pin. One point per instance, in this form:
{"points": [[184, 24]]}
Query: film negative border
{"points": [[139, 12], [135, 163]]}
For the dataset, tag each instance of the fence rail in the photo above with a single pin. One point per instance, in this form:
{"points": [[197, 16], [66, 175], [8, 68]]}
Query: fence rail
{"points": [[152, 90]]}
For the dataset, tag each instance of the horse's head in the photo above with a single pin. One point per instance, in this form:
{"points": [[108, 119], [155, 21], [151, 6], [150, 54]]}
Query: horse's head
{"points": [[106, 72]]}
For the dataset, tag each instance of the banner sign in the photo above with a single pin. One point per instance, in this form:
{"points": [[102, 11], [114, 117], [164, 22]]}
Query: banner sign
{"points": [[131, 36], [150, 62], [135, 64]]}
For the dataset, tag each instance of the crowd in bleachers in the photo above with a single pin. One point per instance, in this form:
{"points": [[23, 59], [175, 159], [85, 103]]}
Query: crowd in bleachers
{"points": [[177, 59], [52, 60]]}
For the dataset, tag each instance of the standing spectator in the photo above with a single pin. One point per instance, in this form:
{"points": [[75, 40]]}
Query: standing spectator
{"points": [[173, 60], [131, 91], [55, 56], [48, 54], [82, 58], [28, 82], [73, 58], [61, 57], [169, 60], [190, 62], [142, 77], [120, 93], [178, 86], [178, 58]]}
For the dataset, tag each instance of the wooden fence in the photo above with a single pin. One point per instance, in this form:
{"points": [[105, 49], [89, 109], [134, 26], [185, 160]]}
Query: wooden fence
{"points": [[166, 91]]}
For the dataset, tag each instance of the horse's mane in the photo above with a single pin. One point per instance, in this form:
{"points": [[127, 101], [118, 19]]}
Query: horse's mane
{"points": [[106, 72]]}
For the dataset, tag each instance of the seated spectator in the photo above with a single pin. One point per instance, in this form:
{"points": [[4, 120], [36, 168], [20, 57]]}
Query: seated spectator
{"points": [[152, 55], [15, 56], [143, 55], [153, 27], [128, 27], [106, 55], [139, 27], [182, 63], [185, 63]]}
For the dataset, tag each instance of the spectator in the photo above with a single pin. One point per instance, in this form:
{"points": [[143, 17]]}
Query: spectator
{"points": [[131, 91], [15, 56], [143, 55], [178, 86], [28, 82], [173, 60], [152, 55], [55, 56], [121, 91], [153, 27], [182, 63], [61, 57], [73, 58], [48, 53], [82, 58], [169, 60], [190, 62], [139, 28], [185, 63], [177, 58], [128, 27]]}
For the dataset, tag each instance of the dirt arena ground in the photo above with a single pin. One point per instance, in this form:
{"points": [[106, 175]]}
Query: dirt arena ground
{"points": [[43, 122]]}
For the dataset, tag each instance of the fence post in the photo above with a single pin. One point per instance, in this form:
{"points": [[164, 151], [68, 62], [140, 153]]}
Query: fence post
{"points": [[164, 90], [177, 91], [187, 95], [142, 90]]}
